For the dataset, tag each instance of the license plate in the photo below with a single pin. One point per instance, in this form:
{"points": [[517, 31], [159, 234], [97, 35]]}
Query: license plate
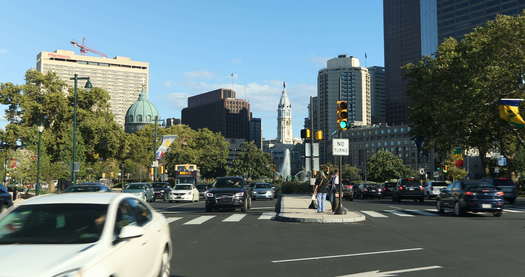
{"points": [[411, 188], [486, 206]]}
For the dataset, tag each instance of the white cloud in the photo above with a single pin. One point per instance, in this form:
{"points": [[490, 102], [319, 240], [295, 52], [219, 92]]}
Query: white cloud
{"points": [[178, 100], [3, 51], [168, 84], [321, 61], [199, 75]]}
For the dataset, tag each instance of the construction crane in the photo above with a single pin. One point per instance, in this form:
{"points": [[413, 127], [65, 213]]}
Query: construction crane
{"points": [[84, 49]]}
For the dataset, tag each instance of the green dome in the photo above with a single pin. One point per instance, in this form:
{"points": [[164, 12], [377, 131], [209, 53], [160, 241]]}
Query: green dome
{"points": [[140, 113]]}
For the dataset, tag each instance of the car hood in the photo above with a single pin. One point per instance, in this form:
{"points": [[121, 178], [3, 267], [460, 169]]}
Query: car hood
{"points": [[181, 191], [133, 190], [215, 190], [43, 259]]}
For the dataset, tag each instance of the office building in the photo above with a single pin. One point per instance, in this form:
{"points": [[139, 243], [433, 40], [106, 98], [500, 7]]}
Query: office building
{"points": [[219, 111], [120, 76], [256, 132], [378, 98], [171, 122]]}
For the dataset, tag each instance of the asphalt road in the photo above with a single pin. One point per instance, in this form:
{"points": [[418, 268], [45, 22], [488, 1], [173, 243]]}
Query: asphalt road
{"points": [[394, 237]]}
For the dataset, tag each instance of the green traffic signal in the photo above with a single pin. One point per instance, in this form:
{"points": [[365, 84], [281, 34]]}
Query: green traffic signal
{"points": [[343, 124]]}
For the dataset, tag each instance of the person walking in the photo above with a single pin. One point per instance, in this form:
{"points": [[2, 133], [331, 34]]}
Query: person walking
{"points": [[334, 189], [321, 188]]}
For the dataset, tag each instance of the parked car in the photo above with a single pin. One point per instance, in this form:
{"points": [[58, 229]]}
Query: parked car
{"points": [[202, 188], [6, 200], [140, 190], [184, 192], [387, 188], [85, 234], [433, 188], [408, 188], [348, 190], [263, 190], [161, 190], [88, 187], [471, 196], [369, 190], [229, 192], [509, 188]]}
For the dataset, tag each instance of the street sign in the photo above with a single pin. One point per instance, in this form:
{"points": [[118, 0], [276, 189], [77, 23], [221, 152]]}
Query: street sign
{"points": [[421, 171], [340, 147]]}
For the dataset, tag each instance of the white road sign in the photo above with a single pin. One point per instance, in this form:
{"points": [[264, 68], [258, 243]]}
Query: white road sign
{"points": [[340, 147]]}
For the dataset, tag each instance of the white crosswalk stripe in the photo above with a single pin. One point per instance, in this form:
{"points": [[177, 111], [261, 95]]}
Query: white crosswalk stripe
{"points": [[234, 218], [373, 214], [398, 213], [268, 215], [432, 210], [420, 212], [172, 219], [199, 220]]}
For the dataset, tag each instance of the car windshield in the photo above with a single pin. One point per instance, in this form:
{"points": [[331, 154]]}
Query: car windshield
{"points": [[202, 187], [263, 186], [83, 189], [503, 182], [410, 183], [228, 183], [182, 187], [53, 224], [478, 186], [439, 184], [136, 186]]}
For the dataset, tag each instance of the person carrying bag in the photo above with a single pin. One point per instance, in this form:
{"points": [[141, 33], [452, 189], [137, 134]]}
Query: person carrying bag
{"points": [[321, 189]]}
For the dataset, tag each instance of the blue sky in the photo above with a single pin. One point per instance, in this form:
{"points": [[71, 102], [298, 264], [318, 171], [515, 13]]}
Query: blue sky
{"points": [[194, 46]]}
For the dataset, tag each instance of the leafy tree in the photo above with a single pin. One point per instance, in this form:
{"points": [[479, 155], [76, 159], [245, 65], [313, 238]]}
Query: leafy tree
{"points": [[384, 165], [454, 94], [252, 163], [350, 173]]}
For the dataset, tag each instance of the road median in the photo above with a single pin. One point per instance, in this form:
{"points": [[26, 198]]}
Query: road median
{"points": [[294, 208]]}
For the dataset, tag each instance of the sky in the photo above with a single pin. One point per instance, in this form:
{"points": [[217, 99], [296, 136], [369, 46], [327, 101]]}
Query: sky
{"points": [[194, 46]]}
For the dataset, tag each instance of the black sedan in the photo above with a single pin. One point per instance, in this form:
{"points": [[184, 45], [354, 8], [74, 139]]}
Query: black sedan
{"points": [[367, 191], [6, 200], [229, 192], [470, 196], [408, 188], [161, 190]]}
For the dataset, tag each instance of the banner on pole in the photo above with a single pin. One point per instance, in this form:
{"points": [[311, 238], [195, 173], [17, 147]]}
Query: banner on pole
{"points": [[164, 146]]}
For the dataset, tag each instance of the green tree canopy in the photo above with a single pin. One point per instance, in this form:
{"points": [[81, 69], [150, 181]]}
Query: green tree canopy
{"points": [[384, 165], [252, 163]]}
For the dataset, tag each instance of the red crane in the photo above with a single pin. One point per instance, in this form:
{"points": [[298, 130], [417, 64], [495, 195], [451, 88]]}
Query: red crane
{"points": [[84, 49]]}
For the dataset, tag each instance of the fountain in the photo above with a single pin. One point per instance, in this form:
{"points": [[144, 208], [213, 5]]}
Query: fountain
{"points": [[285, 170]]}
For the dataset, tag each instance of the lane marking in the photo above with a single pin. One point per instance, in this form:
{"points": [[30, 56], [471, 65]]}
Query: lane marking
{"points": [[268, 215], [172, 219], [373, 214], [398, 213], [432, 210], [199, 220], [234, 218], [262, 208], [348, 255], [420, 212], [513, 211], [377, 273]]}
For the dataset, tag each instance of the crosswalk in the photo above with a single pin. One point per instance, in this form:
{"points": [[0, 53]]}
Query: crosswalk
{"points": [[413, 212], [209, 218]]}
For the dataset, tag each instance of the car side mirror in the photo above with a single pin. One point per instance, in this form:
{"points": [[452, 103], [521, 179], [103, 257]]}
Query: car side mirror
{"points": [[130, 232]]}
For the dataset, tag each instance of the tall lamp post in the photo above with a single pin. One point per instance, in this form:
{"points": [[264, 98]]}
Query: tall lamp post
{"points": [[74, 136], [40, 131], [155, 136]]}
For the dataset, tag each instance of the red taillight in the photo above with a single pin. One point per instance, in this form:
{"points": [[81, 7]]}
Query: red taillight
{"points": [[401, 188], [500, 193], [470, 193], [420, 187]]}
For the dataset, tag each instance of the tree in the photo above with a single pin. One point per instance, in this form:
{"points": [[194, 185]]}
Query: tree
{"points": [[252, 163], [350, 173], [454, 94], [384, 165]]}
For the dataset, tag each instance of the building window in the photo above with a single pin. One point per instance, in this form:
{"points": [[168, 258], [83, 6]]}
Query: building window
{"points": [[131, 118], [149, 118], [139, 118]]}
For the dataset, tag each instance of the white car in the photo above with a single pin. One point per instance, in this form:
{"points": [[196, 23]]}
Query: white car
{"points": [[433, 188], [184, 192], [84, 234]]}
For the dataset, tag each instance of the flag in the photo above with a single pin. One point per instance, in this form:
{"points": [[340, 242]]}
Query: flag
{"points": [[509, 111], [164, 146]]}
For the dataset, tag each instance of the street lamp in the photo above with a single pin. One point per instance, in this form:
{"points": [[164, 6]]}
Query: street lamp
{"points": [[155, 135], [88, 85], [40, 131]]}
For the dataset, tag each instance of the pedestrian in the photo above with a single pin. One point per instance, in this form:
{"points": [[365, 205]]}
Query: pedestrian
{"points": [[334, 186], [321, 188]]}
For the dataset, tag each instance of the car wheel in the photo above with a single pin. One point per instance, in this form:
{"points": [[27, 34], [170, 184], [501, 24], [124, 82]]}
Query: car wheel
{"points": [[208, 208], [458, 211], [497, 214], [439, 208], [3, 207], [165, 267]]}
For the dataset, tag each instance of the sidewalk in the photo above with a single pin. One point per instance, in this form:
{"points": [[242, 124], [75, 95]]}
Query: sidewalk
{"points": [[294, 208]]}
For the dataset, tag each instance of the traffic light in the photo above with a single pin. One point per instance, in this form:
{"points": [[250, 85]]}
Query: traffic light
{"points": [[151, 171], [319, 135], [305, 134], [342, 115], [161, 169], [445, 169]]}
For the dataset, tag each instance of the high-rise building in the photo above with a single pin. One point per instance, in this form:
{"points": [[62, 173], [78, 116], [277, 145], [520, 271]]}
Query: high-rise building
{"points": [[413, 28], [284, 119], [219, 111], [342, 79], [410, 31], [172, 121], [256, 132], [120, 76], [378, 98]]}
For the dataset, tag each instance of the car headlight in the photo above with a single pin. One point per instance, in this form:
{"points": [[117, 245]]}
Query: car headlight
{"points": [[268, 192], [70, 273], [209, 194], [189, 192], [239, 194], [161, 190]]}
